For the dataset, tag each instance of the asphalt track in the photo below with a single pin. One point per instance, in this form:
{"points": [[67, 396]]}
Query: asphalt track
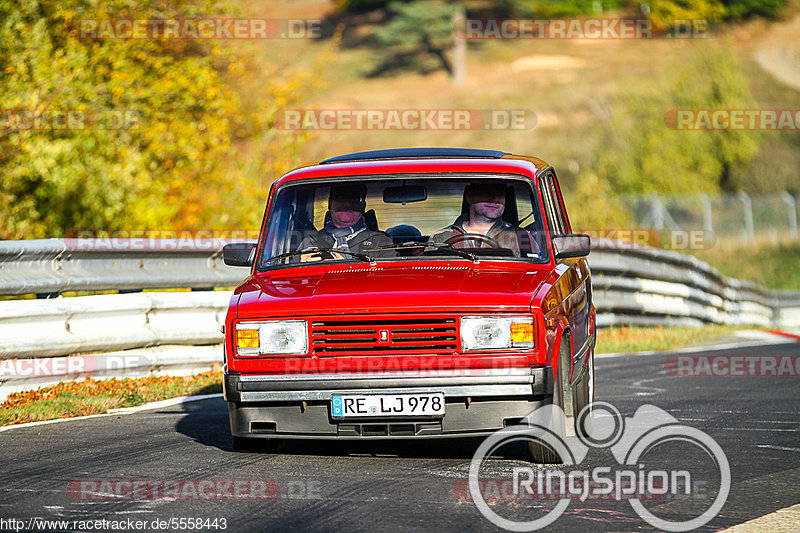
{"points": [[397, 486]]}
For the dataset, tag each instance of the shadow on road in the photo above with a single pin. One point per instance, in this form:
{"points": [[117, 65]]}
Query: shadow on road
{"points": [[206, 421]]}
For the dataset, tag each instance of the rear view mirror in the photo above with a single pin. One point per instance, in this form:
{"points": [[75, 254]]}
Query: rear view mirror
{"points": [[571, 245], [405, 194], [239, 254]]}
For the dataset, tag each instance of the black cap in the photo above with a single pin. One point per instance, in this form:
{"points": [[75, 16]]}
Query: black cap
{"points": [[485, 187], [349, 191]]}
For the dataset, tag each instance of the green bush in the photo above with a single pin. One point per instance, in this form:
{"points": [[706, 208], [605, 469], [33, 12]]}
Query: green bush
{"points": [[101, 176], [184, 107], [644, 155], [738, 9]]}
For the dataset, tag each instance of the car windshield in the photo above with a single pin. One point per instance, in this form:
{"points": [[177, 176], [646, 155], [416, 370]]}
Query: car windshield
{"points": [[377, 218]]}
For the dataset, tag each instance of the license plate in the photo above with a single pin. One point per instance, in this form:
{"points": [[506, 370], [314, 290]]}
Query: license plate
{"points": [[387, 405]]}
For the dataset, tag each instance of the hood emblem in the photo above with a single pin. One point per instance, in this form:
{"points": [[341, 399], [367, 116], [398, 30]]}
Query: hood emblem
{"points": [[383, 335]]}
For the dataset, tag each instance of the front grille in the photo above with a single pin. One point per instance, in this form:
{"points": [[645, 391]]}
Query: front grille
{"points": [[390, 430], [383, 336]]}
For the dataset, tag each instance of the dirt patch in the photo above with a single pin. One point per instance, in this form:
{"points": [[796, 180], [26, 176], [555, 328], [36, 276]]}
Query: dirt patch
{"points": [[542, 62], [779, 52]]}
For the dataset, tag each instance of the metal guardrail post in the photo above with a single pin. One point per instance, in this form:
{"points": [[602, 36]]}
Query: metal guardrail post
{"points": [[750, 235], [708, 224], [789, 199]]}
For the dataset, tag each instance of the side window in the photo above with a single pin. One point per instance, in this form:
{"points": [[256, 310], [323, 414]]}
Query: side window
{"points": [[558, 201], [552, 206], [525, 205]]}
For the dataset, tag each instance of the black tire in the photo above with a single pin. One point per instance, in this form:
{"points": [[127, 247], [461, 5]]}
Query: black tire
{"points": [[584, 397]]}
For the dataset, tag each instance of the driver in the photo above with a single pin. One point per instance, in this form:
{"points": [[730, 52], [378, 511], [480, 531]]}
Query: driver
{"points": [[345, 227], [487, 203]]}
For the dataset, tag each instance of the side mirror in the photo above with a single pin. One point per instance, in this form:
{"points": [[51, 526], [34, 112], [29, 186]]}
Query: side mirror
{"points": [[572, 245], [241, 254]]}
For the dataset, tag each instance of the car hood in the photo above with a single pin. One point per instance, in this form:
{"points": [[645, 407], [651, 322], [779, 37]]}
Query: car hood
{"points": [[390, 289]]}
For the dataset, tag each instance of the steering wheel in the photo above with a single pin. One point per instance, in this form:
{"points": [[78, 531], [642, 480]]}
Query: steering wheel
{"points": [[482, 239]]}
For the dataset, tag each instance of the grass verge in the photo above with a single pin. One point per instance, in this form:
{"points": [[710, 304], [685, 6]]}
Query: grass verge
{"points": [[625, 339], [91, 396], [771, 265]]}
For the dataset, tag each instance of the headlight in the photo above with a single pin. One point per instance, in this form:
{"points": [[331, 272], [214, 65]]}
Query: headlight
{"points": [[272, 338], [496, 333]]}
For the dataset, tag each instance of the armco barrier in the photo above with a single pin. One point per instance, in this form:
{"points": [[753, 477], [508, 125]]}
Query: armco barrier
{"points": [[62, 326], [645, 286], [49, 266]]}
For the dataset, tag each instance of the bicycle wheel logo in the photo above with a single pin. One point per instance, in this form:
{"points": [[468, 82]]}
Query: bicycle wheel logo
{"points": [[628, 439]]}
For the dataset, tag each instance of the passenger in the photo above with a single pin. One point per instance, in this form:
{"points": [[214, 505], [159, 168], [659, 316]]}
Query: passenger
{"points": [[345, 226]]}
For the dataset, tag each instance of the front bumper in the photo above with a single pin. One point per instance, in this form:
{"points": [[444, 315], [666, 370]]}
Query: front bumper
{"points": [[478, 402]]}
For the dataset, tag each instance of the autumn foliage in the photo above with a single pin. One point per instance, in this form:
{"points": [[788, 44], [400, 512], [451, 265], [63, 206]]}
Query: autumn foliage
{"points": [[91, 396], [167, 120]]}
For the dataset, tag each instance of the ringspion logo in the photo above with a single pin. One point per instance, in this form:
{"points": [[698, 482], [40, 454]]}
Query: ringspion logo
{"points": [[635, 478]]}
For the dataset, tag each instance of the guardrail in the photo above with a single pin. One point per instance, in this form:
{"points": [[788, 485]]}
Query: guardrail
{"points": [[645, 286], [631, 286], [63, 326], [53, 266]]}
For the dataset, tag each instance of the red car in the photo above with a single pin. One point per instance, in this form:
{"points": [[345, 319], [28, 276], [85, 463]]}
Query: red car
{"points": [[409, 293]]}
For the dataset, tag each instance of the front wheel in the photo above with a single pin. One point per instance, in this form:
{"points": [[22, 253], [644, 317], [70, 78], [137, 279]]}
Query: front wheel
{"points": [[563, 399], [574, 400], [584, 397]]}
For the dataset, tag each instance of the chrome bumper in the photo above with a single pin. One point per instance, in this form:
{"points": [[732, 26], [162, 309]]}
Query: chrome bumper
{"points": [[491, 383]]}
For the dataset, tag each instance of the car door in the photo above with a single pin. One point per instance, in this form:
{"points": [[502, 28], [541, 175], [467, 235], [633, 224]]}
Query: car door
{"points": [[574, 279]]}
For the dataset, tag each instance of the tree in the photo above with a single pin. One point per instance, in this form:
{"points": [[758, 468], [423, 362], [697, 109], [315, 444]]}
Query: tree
{"points": [[664, 13], [160, 117], [644, 155], [737, 9], [419, 30]]}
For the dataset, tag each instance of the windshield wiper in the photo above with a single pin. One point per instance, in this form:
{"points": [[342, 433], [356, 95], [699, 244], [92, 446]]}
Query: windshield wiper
{"points": [[324, 251], [441, 245]]}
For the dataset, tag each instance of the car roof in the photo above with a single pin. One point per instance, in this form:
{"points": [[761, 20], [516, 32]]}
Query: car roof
{"points": [[416, 153]]}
